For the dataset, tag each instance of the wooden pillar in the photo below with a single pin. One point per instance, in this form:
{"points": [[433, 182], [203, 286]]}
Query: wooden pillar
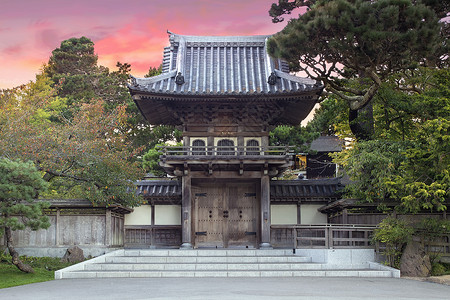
{"points": [[345, 216], [57, 217], [152, 230], [265, 213], [108, 228], [186, 218]]}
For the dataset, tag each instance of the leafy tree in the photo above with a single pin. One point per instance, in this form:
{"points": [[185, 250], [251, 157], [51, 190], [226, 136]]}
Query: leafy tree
{"points": [[161, 135], [87, 155], [74, 72], [154, 71], [292, 136], [20, 185], [363, 41]]}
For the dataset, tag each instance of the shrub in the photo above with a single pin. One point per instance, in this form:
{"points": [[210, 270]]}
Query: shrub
{"points": [[395, 234], [438, 269]]}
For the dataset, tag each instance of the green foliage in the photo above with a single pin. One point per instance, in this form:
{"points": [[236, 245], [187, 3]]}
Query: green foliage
{"points": [[86, 156], [11, 276], [438, 269], [394, 233], [408, 163], [74, 72], [373, 166], [44, 267], [370, 39], [432, 230], [20, 185], [164, 133], [331, 118], [406, 101], [154, 71], [150, 160], [297, 136], [74, 56]]}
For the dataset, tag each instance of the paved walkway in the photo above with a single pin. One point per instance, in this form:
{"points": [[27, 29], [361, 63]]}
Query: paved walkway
{"points": [[230, 288]]}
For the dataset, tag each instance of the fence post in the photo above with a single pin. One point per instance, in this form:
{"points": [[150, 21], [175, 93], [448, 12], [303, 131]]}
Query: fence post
{"points": [[294, 235]]}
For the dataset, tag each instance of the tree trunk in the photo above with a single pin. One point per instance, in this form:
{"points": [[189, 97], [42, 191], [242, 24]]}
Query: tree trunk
{"points": [[361, 122], [14, 255]]}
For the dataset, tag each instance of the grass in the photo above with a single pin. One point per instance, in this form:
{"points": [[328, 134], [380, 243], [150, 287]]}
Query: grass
{"points": [[11, 276], [44, 270]]}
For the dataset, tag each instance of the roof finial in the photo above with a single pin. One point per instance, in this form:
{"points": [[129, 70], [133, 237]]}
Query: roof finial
{"points": [[272, 80], [179, 79]]}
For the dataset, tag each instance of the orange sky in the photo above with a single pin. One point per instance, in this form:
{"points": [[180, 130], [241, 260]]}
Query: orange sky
{"points": [[132, 31]]}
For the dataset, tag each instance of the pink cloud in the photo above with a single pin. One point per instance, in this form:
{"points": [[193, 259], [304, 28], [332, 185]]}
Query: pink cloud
{"points": [[132, 32]]}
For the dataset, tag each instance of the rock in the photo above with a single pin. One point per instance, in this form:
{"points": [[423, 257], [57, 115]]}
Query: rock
{"points": [[73, 254], [415, 262]]}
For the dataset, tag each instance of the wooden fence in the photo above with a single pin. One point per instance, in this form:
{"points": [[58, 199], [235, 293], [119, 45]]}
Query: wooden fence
{"points": [[150, 236], [345, 236], [375, 218], [322, 236], [438, 246]]}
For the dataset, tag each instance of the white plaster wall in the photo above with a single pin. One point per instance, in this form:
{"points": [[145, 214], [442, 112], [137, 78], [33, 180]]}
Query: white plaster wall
{"points": [[141, 215], [167, 214], [283, 214], [310, 215]]}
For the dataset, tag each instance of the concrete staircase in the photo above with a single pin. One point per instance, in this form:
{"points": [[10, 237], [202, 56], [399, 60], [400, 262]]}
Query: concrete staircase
{"points": [[215, 263]]}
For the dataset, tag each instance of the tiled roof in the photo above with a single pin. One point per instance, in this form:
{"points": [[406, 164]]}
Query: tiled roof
{"points": [[327, 144], [222, 65], [159, 188], [305, 189], [279, 189]]}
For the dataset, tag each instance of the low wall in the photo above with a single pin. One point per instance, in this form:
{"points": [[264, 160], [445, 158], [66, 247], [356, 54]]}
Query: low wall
{"points": [[95, 230], [338, 256]]}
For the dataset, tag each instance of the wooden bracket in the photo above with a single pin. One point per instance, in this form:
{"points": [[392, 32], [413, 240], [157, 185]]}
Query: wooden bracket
{"points": [[210, 170], [266, 168], [241, 168]]}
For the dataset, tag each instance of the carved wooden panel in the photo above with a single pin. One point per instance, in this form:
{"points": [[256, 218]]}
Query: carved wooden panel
{"points": [[256, 113]]}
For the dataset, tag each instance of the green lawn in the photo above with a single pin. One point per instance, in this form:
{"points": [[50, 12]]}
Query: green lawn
{"points": [[44, 270], [11, 276]]}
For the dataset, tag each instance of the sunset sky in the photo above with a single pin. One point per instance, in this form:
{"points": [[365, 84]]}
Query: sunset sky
{"points": [[132, 31]]}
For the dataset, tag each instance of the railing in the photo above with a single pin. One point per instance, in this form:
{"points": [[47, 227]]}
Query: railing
{"points": [[152, 236], [438, 246], [323, 236], [225, 151]]}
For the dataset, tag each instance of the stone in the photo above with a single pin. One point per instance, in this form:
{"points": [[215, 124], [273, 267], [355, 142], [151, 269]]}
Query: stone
{"points": [[415, 262], [73, 254]]}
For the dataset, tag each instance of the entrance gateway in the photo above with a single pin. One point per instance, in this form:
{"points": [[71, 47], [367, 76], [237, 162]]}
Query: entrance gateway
{"points": [[226, 214], [225, 93]]}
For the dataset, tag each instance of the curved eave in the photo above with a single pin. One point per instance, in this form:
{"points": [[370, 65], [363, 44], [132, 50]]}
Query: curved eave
{"points": [[158, 108]]}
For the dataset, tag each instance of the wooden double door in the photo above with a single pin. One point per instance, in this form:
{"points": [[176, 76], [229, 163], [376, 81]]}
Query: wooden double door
{"points": [[226, 214]]}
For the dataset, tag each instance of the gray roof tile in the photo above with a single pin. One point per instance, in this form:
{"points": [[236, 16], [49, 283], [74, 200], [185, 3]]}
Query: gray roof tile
{"points": [[221, 65]]}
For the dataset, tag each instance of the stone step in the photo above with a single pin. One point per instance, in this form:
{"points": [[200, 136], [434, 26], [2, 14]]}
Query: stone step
{"points": [[208, 252], [216, 263], [207, 259], [208, 267], [267, 273]]}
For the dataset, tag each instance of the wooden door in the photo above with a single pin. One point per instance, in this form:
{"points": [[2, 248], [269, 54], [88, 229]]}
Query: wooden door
{"points": [[226, 214], [243, 211], [209, 202]]}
